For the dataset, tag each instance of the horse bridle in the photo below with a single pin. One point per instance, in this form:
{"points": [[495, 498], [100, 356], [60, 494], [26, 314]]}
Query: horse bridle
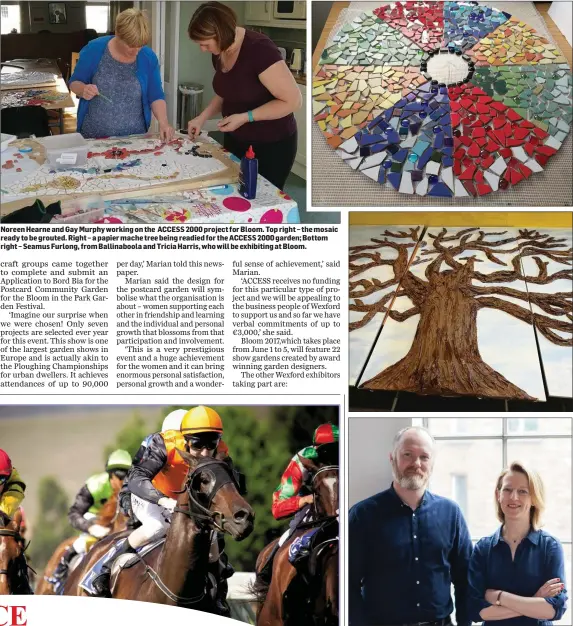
{"points": [[223, 476], [326, 468], [7, 532]]}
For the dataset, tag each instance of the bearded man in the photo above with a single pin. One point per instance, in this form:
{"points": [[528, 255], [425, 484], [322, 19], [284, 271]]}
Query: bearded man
{"points": [[407, 546]]}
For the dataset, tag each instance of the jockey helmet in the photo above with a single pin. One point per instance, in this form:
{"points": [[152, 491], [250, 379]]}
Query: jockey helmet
{"points": [[5, 464], [173, 420], [325, 433], [118, 459], [201, 419]]}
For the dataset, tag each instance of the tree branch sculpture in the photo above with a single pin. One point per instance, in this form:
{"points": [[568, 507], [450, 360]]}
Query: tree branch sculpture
{"points": [[444, 357]]}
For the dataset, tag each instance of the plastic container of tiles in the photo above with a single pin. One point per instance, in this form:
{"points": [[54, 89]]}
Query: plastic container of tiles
{"points": [[58, 145], [87, 217]]}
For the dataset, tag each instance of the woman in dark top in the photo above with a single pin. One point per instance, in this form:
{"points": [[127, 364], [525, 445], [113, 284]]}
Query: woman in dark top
{"points": [[517, 575], [255, 91]]}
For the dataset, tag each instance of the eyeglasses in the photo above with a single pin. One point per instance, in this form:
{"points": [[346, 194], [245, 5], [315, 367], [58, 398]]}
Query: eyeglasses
{"points": [[120, 473], [203, 441]]}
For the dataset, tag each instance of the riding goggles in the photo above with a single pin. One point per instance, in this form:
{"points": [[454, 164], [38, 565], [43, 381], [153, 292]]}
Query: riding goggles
{"points": [[202, 441], [328, 453], [3, 479], [120, 473]]}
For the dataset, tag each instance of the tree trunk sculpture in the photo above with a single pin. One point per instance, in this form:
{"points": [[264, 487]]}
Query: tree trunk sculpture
{"points": [[444, 358]]}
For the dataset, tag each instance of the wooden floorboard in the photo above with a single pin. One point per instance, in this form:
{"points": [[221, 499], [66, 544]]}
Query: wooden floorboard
{"points": [[562, 43]]}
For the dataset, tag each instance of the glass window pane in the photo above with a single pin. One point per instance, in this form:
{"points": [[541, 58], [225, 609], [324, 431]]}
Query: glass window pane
{"points": [[566, 619], [552, 459], [10, 18], [97, 18], [466, 471], [465, 426], [538, 426]]}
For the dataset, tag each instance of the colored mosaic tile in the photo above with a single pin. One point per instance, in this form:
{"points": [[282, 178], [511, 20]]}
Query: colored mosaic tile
{"points": [[515, 43], [348, 97], [369, 40], [491, 138], [422, 22], [539, 93], [466, 23], [409, 146]]}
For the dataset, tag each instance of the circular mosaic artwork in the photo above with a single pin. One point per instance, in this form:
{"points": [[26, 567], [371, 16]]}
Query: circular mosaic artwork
{"points": [[443, 98]]}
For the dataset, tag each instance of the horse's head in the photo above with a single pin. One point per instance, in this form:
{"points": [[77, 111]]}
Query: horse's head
{"points": [[214, 497], [110, 514], [11, 549], [324, 471]]}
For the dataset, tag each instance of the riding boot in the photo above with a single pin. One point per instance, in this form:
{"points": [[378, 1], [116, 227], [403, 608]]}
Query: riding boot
{"points": [[101, 584], [61, 572], [266, 572], [221, 605]]}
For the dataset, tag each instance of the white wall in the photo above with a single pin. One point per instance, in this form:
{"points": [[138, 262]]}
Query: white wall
{"points": [[562, 14], [369, 444], [196, 66]]}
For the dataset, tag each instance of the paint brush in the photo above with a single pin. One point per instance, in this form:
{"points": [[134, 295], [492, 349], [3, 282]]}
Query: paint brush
{"points": [[105, 98]]}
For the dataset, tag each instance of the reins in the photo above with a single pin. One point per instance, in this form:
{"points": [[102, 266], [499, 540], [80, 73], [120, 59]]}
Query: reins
{"points": [[194, 511], [8, 532]]}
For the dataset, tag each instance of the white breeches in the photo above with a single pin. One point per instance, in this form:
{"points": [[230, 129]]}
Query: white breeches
{"points": [[154, 522], [79, 544], [154, 525]]}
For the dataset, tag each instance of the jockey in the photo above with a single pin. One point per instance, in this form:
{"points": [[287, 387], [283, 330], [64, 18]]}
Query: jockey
{"points": [[12, 487], [293, 496], [154, 482], [96, 491], [171, 422]]}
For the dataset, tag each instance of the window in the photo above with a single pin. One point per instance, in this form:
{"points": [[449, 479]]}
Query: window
{"points": [[460, 492], [522, 426], [10, 14], [97, 17], [469, 458]]}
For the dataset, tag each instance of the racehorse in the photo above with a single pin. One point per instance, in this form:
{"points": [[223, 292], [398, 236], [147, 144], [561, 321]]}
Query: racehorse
{"points": [[176, 572], [13, 566], [109, 516], [300, 600]]}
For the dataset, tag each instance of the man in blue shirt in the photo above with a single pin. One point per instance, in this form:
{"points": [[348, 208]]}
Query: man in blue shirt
{"points": [[407, 546]]}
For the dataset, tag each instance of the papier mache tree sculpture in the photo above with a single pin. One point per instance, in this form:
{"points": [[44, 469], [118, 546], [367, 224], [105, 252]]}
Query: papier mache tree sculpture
{"points": [[444, 357]]}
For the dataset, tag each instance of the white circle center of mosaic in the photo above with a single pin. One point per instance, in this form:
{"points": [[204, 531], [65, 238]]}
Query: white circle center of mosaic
{"points": [[447, 68]]}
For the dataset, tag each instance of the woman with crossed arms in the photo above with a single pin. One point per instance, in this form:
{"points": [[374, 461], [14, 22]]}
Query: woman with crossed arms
{"points": [[517, 574]]}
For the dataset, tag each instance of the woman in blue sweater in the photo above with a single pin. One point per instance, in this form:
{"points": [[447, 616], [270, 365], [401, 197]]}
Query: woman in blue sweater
{"points": [[118, 81], [517, 575]]}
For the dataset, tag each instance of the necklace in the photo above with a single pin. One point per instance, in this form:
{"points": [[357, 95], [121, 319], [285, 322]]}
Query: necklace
{"points": [[508, 540], [229, 56]]}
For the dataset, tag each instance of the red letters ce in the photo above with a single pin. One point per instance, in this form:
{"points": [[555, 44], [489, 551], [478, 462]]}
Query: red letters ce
{"points": [[12, 615]]}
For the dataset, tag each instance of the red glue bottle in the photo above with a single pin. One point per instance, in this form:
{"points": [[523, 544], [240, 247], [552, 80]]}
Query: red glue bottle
{"points": [[248, 175]]}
